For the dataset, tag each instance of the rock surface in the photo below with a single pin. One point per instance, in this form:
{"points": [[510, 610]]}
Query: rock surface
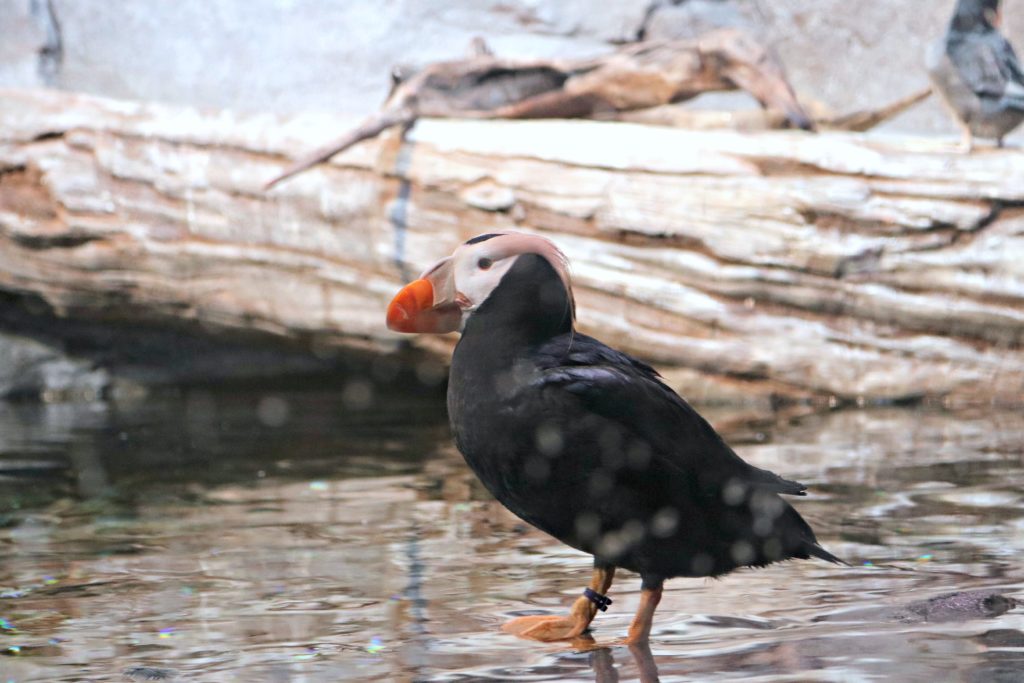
{"points": [[30, 368], [778, 264], [286, 57], [948, 607]]}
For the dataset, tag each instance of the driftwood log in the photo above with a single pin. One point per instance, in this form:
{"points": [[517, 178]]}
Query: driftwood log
{"points": [[775, 264], [635, 77], [754, 120]]}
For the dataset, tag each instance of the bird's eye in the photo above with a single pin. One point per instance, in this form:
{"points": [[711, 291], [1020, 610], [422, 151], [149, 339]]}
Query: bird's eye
{"points": [[484, 263]]}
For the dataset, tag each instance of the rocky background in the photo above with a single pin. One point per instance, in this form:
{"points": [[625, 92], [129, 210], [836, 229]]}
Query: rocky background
{"points": [[829, 268], [287, 56]]}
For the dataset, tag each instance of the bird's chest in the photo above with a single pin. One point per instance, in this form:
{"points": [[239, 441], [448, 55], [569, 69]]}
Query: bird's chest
{"points": [[495, 423]]}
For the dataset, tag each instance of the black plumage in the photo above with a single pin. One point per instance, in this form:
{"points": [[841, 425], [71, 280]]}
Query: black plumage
{"points": [[588, 443], [976, 72]]}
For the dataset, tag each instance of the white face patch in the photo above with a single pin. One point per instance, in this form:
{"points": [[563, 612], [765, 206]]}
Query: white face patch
{"points": [[477, 269], [477, 272]]}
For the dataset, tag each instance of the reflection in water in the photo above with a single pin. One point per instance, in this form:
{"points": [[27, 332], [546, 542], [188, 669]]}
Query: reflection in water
{"points": [[603, 662], [276, 534]]}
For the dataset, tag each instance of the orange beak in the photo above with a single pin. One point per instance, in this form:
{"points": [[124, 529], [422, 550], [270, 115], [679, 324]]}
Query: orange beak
{"points": [[413, 310]]}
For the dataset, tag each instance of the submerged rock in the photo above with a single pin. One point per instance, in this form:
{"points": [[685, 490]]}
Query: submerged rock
{"points": [[32, 368], [949, 607], [149, 673], [959, 606]]}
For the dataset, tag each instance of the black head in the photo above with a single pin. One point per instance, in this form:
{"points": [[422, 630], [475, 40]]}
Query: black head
{"points": [[975, 15], [530, 303], [520, 281]]}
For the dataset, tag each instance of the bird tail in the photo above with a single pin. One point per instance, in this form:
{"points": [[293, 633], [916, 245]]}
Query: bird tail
{"points": [[814, 550]]}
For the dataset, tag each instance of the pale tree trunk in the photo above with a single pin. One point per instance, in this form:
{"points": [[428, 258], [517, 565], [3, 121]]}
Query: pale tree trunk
{"points": [[743, 264]]}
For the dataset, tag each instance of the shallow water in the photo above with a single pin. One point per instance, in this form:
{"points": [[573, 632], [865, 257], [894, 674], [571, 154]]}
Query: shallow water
{"points": [[282, 534]]}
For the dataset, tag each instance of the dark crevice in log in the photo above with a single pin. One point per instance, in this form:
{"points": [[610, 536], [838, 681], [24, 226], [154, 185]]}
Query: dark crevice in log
{"points": [[773, 167], [64, 241], [995, 211], [834, 220], [858, 264], [11, 170], [161, 352], [48, 135], [592, 165]]}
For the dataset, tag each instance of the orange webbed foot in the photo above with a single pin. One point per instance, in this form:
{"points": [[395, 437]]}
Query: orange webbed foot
{"points": [[546, 627], [549, 627]]}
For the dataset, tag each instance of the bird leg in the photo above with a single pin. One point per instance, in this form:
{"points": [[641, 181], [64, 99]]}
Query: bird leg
{"points": [[547, 627], [640, 628]]}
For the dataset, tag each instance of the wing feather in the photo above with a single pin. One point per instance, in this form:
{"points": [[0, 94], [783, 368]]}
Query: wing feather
{"points": [[629, 392], [989, 66]]}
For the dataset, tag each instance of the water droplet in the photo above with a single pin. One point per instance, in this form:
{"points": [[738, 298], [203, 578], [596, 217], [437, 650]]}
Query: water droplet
{"points": [[611, 545], [702, 564], [638, 455], [734, 492], [742, 552], [763, 525], [665, 522], [633, 532], [588, 526], [357, 395], [273, 411], [549, 440], [431, 372]]}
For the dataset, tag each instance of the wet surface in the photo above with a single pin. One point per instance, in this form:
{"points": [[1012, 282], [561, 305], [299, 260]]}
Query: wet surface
{"points": [[328, 534]]}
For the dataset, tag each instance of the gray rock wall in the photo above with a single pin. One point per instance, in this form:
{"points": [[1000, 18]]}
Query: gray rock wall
{"points": [[294, 55]]}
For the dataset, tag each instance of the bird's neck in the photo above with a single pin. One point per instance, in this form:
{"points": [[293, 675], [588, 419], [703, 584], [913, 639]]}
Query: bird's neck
{"points": [[970, 17], [528, 307], [494, 357]]}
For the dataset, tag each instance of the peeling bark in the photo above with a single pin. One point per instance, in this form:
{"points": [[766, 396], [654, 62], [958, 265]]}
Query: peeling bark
{"points": [[775, 264]]}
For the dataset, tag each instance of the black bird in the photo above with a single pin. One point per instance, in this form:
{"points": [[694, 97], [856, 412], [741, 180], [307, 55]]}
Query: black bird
{"points": [[977, 73], [585, 442]]}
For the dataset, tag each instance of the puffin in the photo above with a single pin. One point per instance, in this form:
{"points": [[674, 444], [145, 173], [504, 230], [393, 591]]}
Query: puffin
{"points": [[587, 443], [977, 74]]}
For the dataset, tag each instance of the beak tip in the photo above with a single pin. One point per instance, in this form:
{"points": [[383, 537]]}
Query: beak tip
{"points": [[406, 309], [397, 318]]}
